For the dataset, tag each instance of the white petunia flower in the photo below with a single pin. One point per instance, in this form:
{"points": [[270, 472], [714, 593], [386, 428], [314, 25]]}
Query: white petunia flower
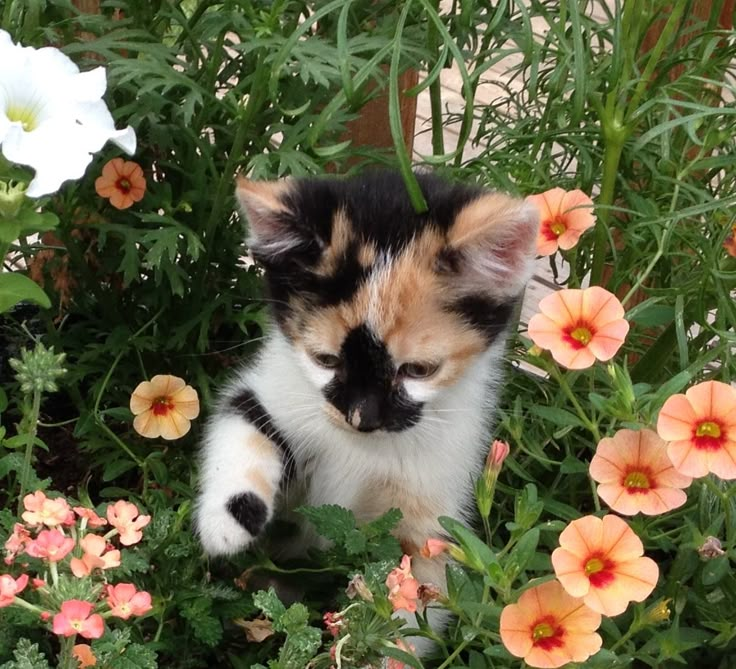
{"points": [[52, 116]]}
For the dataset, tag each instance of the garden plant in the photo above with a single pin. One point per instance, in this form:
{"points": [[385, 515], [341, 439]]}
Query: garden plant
{"points": [[606, 533]]}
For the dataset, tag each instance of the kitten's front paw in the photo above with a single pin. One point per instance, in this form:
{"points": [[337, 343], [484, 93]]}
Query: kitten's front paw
{"points": [[229, 526]]}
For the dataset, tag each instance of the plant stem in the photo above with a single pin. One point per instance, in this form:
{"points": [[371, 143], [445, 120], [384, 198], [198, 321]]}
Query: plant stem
{"points": [[66, 657], [30, 440], [435, 91]]}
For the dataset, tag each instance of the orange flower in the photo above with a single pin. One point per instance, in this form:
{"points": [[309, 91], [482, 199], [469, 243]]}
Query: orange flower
{"points": [[84, 656], [579, 326], [125, 601], [41, 510], [434, 547], [122, 181], [94, 556], [549, 628], [163, 407], [635, 474], [124, 517], [701, 428], [730, 242], [403, 588], [564, 216], [90, 516], [600, 560]]}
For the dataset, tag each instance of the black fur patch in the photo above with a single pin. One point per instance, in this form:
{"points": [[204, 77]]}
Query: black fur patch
{"points": [[490, 317], [247, 405], [365, 382], [249, 510], [380, 213]]}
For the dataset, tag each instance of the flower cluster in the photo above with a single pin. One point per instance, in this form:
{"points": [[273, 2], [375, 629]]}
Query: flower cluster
{"points": [[62, 538]]}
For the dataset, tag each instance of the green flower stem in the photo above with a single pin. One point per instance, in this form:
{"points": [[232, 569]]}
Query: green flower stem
{"points": [[435, 90], [66, 656], [635, 626], [17, 601], [30, 440], [450, 659], [54, 570], [270, 566], [725, 499]]}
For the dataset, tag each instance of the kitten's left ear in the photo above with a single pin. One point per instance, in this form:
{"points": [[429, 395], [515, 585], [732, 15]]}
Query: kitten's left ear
{"points": [[271, 223], [493, 241]]}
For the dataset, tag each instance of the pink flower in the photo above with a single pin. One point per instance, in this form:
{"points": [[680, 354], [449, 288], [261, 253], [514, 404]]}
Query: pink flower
{"points": [[403, 588], [579, 326], [50, 545], [498, 453], [124, 517], [16, 543], [10, 587], [93, 520], [75, 618], [563, 217], [333, 622], [40, 510], [125, 601], [434, 547], [94, 556]]}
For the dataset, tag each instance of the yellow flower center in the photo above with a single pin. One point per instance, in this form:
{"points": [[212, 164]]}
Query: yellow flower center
{"points": [[582, 334], [76, 624], [543, 631], [637, 480], [23, 115], [593, 566], [708, 429], [557, 227]]}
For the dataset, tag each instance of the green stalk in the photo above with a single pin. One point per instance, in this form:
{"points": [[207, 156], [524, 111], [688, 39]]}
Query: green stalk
{"points": [[30, 440], [435, 91], [66, 656]]}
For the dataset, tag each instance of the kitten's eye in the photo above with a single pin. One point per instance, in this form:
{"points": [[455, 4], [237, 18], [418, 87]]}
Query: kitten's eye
{"points": [[418, 370], [326, 360]]}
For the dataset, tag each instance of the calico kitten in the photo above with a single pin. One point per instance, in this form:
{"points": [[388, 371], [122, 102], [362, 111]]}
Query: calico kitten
{"points": [[377, 383]]}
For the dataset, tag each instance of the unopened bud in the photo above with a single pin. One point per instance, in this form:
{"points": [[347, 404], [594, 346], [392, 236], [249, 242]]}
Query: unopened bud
{"points": [[37, 370], [498, 453], [658, 613], [11, 198]]}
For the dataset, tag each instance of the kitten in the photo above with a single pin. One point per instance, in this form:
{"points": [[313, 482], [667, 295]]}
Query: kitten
{"points": [[376, 386]]}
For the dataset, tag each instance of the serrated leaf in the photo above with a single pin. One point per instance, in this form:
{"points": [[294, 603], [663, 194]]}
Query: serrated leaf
{"points": [[330, 520], [27, 656], [270, 604]]}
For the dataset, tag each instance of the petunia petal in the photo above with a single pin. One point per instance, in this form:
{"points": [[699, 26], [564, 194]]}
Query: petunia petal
{"points": [[676, 419], [147, 425], [173, 425], [687, 459]]}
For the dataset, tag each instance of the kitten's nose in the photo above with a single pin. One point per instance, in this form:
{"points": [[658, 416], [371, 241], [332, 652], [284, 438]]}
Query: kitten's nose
{"points": [[365, 416]]}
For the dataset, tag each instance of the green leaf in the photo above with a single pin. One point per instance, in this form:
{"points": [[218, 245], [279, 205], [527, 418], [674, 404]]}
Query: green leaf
{"points": [[269, 602], [330, 520], [402, 656], [557, 416], [16, 288], [573, 465], [479, 556], [27, 656], [522, 553]]}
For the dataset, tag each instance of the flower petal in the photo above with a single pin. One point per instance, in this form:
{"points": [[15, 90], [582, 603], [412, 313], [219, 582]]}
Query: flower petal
{"points": [[676, 419]]}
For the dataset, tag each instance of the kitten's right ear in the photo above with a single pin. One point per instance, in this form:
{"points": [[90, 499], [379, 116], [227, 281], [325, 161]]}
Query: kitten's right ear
{"points": [[271, 223]]}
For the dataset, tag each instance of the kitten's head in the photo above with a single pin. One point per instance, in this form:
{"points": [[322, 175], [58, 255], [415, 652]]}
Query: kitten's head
{"points": [[386, 308]]}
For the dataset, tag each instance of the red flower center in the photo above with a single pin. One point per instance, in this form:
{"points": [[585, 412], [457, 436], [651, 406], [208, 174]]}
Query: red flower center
{"points": [[599, 571], [578, 335], [637, 482], [547, 634], [553, 228], [708, 435], [161, 406], [123, 184]]}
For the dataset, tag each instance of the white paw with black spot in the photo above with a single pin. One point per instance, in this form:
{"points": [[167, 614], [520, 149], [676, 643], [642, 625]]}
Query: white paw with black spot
{"points": [[230, 526]]}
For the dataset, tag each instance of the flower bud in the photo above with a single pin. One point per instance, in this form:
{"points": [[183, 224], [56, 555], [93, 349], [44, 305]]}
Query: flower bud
{"points": [[11, 198], [658, 613], [37, 370], [358, 588], [498, 453]]}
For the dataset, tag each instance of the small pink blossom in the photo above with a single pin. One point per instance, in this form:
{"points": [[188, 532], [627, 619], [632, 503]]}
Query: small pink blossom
{"points": [[40, 510], [403, 588], [10, 587], [498, 453], [94, 556], [75, 618], [50, 545], [333, 622], [126, 519], [93, 520], [125, 601], [16, 543]]}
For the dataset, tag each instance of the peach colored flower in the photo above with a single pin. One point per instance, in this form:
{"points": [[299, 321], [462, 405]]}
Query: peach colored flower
{"points": [[701, 428], [10, 587], [579, 326], [84, 656], [122, 182], [564, 216], [600, 560], [549, 628], [730, 242], [434, 547], [93, 520], [635, 474], [124, 517], [398, 664], [40, 510], [125, 601], [50, 545], [16, 542], [75, 618], [403, 588], [94, 556], [163, 407]]}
